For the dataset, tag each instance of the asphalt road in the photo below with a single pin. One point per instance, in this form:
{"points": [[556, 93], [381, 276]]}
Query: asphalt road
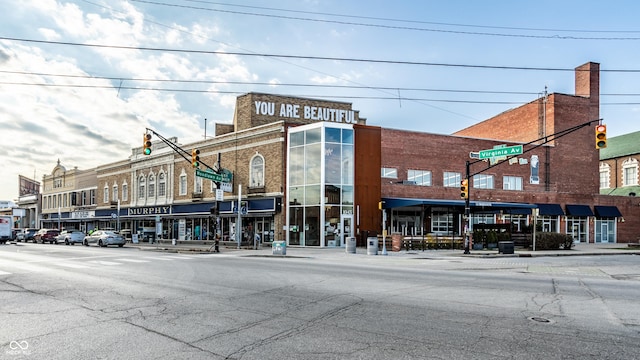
{"points": [[73, 302]]}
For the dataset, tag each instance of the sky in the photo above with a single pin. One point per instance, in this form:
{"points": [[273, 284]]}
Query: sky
{"points": [[80, 81]]}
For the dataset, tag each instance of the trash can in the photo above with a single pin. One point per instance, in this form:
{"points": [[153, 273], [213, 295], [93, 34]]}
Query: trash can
{"points": [[372, 246], [351, 245], [396, 242], [505, 247], [279, 248]]}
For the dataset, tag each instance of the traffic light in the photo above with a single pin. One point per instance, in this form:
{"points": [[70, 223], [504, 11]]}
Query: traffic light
{"points": [[195, 158], [601, 136], [146, 144], [464, 189]]}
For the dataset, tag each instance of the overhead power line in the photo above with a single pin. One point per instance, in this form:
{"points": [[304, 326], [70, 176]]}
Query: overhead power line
{"points": [[396, 27], [306, 57]]}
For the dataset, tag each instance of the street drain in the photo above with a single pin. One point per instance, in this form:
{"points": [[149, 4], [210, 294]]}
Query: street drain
{"points": [[539, 319]]}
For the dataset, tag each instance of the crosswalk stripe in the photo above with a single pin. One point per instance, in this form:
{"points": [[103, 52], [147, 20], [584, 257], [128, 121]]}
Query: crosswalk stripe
{"points": [[158, 258], [179, 257], [4, 273], [133, 260], [102, 262], [71, 265]]}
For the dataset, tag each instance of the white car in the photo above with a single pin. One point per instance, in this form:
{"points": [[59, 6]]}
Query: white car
{"points": [[70, 237], [104, 238]]}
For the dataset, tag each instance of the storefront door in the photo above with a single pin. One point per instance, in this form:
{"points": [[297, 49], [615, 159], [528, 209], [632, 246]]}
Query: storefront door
{"points": [[346, 229]]}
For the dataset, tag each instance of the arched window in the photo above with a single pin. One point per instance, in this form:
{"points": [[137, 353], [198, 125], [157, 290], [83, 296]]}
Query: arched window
{"points": [[605, 176], [183, 183], [141, 187], [630, 172], [106, 193], [125, 191], [151, 186], [257, 172], [115, 192], [162, 185]]}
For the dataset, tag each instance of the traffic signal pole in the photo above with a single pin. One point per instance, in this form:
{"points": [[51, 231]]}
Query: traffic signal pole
{"points": [[600, 143], [467, 213]]}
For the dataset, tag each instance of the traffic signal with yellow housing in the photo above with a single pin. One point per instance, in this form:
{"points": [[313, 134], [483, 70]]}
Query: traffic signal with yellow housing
{"points": [[601, 136], [464, 189], [146, 144], [195, 158]]}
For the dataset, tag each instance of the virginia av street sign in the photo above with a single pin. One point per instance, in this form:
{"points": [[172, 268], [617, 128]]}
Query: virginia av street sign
{"points": [[497, 152]]}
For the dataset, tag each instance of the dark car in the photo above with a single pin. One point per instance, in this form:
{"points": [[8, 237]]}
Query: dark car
{"points": [[26, 235], [47, 235]]}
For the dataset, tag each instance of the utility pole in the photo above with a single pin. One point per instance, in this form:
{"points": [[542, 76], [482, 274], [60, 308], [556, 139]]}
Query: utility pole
{"points": [[467, 213]]}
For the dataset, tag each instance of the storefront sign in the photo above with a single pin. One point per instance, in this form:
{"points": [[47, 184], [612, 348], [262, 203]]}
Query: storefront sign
{"points": [[151, 210], [83, 214], [306, 112]]}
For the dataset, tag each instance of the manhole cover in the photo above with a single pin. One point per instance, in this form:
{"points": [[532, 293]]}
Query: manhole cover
{"points": [[539, 319]]}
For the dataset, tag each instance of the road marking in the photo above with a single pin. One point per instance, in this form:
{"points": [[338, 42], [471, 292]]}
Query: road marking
{"points": [[133, 260], [180, 257], [158, 258], [71, 265], [4, 273], [102, 262]]}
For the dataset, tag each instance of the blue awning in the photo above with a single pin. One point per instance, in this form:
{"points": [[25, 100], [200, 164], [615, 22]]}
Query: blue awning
{"points": [[607, 211], [390, 203], [579, 210], [550, 209]]}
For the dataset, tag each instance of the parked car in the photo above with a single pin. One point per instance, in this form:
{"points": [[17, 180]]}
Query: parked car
{"points": [[26, 235], [104, 238], [70, 237], [46, 235], [14, 233]]}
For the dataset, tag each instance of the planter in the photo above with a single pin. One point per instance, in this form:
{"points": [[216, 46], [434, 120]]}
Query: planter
{"points": [[478, 246]]}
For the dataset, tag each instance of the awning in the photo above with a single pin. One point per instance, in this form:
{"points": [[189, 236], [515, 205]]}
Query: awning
{"points": [[550, 209], [390, 203], [579, 210], [607, 211]]}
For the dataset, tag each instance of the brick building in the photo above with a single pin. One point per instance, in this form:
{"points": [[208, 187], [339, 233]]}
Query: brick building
{"points": [[312, 172]]}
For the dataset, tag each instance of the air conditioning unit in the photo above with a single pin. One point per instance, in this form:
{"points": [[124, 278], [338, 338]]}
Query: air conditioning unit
{"points": [[408, 182]]}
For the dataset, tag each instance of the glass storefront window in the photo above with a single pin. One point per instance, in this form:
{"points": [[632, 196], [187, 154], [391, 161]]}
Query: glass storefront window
{"points": [[312, 195], [312, 162], [332, 163]]}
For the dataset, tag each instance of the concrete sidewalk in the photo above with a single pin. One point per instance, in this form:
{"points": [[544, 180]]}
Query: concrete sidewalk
{"points": [[293, 251]]}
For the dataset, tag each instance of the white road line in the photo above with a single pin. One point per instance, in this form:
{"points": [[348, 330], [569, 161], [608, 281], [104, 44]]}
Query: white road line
{"points": [[4, 273], [71, 265], [102, 262], [158, 258], [180, 257], [133, 260]]}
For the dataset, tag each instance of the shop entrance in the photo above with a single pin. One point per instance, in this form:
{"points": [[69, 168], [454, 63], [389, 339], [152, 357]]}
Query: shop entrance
{"points": [[346, 229]]}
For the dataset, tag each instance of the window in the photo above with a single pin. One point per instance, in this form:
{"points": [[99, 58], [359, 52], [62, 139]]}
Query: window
{"points": [[482, 181], [125, 192], [451, 179], [389, 173], [605, 176], [183, 183], [441, 222], [421, 177], [141, 188], [630, 172], [151, 186], [511, 183], [257, 172], [197, 186], [115, 192], [57, 183], [162, 185], [106, 193]]}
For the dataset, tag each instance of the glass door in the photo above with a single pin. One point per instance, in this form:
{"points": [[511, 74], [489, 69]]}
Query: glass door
{"points": [[346, 229]]}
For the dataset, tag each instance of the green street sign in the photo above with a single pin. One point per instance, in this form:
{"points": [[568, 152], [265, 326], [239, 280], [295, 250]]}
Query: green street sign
{"points": [[225, 177], [498, 152]]}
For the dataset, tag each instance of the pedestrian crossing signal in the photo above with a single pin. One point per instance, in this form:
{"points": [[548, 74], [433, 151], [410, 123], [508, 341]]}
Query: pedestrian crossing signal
{"points": [[601, 136]]}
